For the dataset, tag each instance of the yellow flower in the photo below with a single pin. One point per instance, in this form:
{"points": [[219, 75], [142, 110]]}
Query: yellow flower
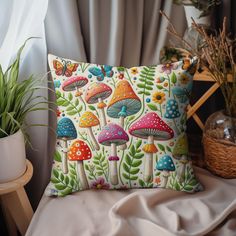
{"points": [[158, 97], [184, 79], [134, 70]]}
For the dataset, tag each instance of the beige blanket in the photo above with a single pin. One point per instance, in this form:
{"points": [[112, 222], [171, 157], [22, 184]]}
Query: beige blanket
{"points": [[151, 212]]}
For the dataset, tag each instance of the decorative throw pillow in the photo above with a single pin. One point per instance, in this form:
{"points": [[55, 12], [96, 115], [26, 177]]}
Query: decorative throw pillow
{"points": [[121, 128]]}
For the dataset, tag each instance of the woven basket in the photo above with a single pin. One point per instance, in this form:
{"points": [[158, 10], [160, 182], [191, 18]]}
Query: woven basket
{"points": [[220, 156]]}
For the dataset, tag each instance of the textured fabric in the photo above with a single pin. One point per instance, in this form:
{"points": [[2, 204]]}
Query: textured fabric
{"points": [[121, 128], [141, 212]]}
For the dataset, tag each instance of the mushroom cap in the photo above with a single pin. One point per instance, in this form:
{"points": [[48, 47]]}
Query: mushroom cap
{"points": [[112, 133], [79, 151], [181, 146], [66, 129], [88, 119], [74, 82], [151, 125], [172, 109], [165, 163], [123, 95], [97, 90]]}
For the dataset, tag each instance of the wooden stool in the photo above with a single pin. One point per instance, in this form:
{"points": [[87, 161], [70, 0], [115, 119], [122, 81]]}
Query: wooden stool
{"points": [[15, 203]]}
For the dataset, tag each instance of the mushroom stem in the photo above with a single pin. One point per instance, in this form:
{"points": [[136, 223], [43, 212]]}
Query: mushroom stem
{"points": [[103, 116], [82, 176], [113, 166], [94, 141], [165, 177], [148, 165], [122, 121], [64, 157]]}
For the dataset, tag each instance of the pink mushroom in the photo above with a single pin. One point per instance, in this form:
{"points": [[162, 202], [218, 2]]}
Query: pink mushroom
{"points": [[74, 83], [113, 135], [150, 127]]}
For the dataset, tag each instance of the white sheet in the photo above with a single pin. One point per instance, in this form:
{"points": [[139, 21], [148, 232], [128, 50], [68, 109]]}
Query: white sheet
{"points": [[141, 212]]}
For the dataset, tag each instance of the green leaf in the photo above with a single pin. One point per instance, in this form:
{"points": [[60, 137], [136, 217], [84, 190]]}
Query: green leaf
{"points": [[80, 108], [132, 150], [60, 186], [67, 180], [161, 147], [55, 173], [134, 171], [69, 108], [57, 156], [91, 107], [66, 191], [173, 78], [160, 87], [76, 102], [72, 113], [65, 103], [125, 176], [136, 163], [138, 143], [141, 85], [168, 149], [70, 96], [86, 167], [133, 177], [54, 180], [153, 107], [60, 102], [120, 68], [188, 188], [126, 168], [138, 156], [141, 183], [61, 177], [128, 159], [99, 173]]}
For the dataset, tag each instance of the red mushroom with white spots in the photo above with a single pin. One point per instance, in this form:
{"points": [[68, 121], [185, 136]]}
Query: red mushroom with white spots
{"points": [[75, 83], [150, 127], [79, 151], [96, 93]]}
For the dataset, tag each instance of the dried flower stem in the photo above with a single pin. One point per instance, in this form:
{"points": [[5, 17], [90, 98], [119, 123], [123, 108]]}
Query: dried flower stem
{"points": [[216, 54]]}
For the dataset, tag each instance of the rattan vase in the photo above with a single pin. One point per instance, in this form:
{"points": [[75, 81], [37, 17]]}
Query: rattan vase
{"points": [[219, 141]]}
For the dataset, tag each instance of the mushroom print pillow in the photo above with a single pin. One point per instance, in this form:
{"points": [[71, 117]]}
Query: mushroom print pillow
{"points": [[121, 128]]}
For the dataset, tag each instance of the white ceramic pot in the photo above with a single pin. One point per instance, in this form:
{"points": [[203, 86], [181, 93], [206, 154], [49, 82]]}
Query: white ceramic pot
{"points": [[191, 11], [12, 157]]}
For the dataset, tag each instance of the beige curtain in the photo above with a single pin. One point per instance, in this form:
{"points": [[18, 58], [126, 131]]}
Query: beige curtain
{"points": [[115, 32]]}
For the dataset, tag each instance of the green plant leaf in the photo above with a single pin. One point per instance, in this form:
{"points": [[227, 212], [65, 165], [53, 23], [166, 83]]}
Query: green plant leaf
{"points": [[153, 107], [160, 87], [57, 156], [136, 163], [161, 147], [91, 107], [70, 96], [173, 78], [125, 176], [60, 186], [128, 159], [55, 173], [141, 183], [168, 149], [134, 171]]}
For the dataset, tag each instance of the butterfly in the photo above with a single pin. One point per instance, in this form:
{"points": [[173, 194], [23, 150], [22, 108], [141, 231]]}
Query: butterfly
{"points": [[65, 67], [101, 73]]}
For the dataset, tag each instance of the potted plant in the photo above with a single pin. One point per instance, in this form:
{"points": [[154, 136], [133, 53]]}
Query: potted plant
{"points": [[218, 55], [17, 100]]}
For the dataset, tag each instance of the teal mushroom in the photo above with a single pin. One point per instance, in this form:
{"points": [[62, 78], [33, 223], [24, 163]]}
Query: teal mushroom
{"points": [[172, 111], [65, 131], [165, 164]]}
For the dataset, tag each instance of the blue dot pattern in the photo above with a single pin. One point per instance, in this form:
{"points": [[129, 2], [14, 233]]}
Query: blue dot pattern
{"points": [[66, 129], [165, 163], [172, 109]]}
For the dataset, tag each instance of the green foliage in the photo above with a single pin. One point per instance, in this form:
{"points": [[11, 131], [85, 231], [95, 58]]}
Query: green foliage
{"points": [[91, 170], [146, 79], [65, 184], [133, 160], [72, 107], [57, 156], [17, 99], [152, 106], [189, 183], [145, 184], [101, 165]]}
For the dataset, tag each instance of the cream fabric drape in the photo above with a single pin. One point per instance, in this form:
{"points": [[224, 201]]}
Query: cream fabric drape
{"points": [[115, 32]]}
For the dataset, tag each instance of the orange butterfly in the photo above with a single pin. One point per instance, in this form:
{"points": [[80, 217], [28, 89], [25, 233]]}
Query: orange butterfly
{"points": [[65, 67]]}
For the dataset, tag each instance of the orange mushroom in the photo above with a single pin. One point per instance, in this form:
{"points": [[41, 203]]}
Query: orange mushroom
{"points": [[79, 151], [88, 120], [124, 102], [96, 93]]}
